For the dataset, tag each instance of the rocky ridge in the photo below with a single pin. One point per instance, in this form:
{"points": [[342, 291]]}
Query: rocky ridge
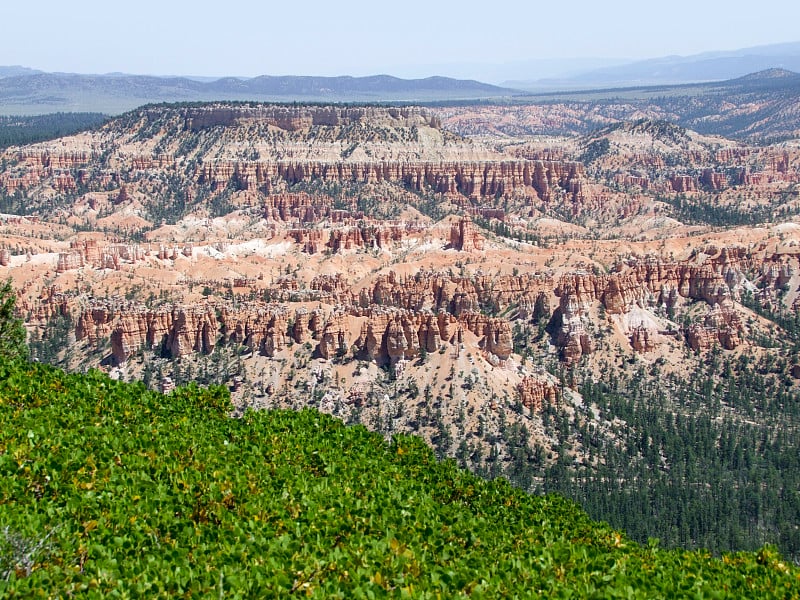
{"points": [[400, 318]]}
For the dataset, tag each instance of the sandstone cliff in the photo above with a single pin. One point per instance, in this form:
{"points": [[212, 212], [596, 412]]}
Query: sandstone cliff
{"points": [[535, 392], [399, 318]]}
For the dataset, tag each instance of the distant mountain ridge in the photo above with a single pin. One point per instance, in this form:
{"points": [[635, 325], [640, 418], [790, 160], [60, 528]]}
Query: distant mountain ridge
{"points": [[15, 70], [767, 74], [39, 93], [761, 107], [27, 91], [672, 70]]}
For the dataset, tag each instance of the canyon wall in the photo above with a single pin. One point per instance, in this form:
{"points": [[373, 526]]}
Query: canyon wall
{"points": [[473, 179], [400, 318]]}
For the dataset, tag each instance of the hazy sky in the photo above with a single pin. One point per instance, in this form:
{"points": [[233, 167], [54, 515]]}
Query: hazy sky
{"points": [[360, 37]]}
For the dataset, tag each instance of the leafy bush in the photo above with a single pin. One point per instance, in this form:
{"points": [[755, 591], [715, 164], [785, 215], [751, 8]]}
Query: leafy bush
{"points": [[141, 494]]}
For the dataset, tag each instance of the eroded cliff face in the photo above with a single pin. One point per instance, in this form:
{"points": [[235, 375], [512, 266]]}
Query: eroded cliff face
{"points": [[473, 179], [361, 261], [464, 236], [716, 278], [379, 334], [34, 166], [173, 331], [204, 153], [652, 282], [536, 392], [84, 253], [721, 326], [50, 304], [262, 328], [642, 340], [303, 208], [365, 234], [441, 292], [304, 117], [262, 184], [399, 318]]}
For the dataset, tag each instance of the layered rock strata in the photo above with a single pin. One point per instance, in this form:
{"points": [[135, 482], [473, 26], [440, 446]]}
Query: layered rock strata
{"points": [[399, 318]]}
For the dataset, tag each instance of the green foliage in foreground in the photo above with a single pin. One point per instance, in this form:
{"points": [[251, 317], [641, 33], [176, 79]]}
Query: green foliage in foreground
{"points": [[109, 490], [12, 331]]}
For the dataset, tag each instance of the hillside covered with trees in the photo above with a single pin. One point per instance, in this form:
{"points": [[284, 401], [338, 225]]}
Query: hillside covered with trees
{"points": [[16, 131], [108, 488]]}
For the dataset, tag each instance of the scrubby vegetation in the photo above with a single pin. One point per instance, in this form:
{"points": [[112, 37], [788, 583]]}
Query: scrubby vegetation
{"points": [[109, 489]]}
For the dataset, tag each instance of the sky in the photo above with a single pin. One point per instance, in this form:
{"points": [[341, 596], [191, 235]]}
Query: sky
{"points": [[412, 38]]}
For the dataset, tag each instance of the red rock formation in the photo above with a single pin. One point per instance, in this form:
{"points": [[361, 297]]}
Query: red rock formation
{"points": [[167, 253], [12, 184], [176, 331], [495, 333], [293, 118], [642, 340], [332, 284], [400, 341], [780, 163], [365, 234], [68, 261], [714, 180], [498, 338], [88, 253], [721, 325], [464, 236], [683, 183], [535, 393], [147, 163], [400, 317], [122, 196], [652, 283], [641, 181], [478, 179], [127, 252], [263, 329], [333, 340], [90, 250], [732, 155], [655, 283], [47, 159], [701, 338], [391, 335], [301, 332], [94, 325], [300, 207], [311, 240], [775, 275], [571, 334], [487, 212], [548, 176], [440, 292], [371, 343], [129, 335], [752, 179], [50, 304]]}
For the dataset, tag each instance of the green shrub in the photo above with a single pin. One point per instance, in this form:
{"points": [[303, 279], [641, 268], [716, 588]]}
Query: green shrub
{"points": [[146, 495]]}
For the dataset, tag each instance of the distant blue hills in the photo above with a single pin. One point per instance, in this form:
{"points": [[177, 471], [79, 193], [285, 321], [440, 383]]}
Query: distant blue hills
{"points": [[28, 92], [672, 70]]}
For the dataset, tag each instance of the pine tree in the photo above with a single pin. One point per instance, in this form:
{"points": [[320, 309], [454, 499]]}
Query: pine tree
{"points": [[12, 331]]}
